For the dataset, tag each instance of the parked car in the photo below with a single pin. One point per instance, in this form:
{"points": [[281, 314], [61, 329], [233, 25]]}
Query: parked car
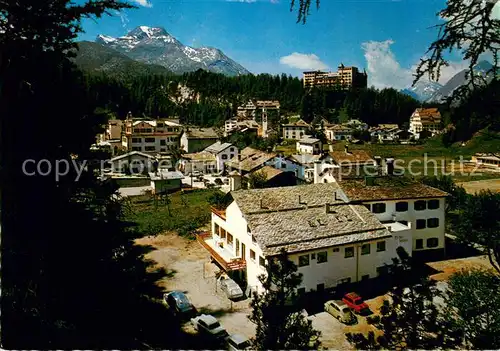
{"points": [[226, 181], [196, 174], [237, 342], [355, 302], [179, 303], [341, 311], [209, 326], [230, 287]]}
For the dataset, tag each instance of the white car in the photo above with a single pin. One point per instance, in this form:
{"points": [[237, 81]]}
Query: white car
{"points": [[238, 342], [229, 286], [209, 326]]}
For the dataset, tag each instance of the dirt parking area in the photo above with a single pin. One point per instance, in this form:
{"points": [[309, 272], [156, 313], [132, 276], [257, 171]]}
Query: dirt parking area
{"points": [[190, 271]]}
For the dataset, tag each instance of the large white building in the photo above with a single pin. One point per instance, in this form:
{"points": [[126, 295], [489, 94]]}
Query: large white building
{"points": [[295, 130], [331, 240], [425, 119], [151, 135]]}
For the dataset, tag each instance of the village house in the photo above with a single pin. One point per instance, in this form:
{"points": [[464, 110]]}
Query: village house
{"points": [[250, 160], [249, 110], [410, 203], [338, 132], [163, 181], [302, 164], [236, 125], [332, 241], [425, 119], [351, 157], [203, 162], [488, 160], [134, 162], [309, 145], [222, 152], [155, 136], [274, 177], [195, 139], [295, 130]]}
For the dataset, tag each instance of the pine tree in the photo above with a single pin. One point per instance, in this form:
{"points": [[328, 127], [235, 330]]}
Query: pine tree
{"points": [[280, 323]]}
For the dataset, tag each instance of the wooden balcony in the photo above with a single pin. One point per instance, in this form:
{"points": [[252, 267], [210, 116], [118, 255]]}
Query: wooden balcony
{"points": [[233, 264], [219, 213]]}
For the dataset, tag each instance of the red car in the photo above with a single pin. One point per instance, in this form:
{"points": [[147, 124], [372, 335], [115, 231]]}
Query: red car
{"points": [[355, 302]]}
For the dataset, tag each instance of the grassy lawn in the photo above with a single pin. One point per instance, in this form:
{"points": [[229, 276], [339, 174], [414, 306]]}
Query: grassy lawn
{"points": [[428, 159], [185, 213]]}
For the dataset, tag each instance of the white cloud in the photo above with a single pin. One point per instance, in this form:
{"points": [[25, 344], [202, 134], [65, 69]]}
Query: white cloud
{"points": [[303, 61], [385, 71], [145, 3], [123, 18]]}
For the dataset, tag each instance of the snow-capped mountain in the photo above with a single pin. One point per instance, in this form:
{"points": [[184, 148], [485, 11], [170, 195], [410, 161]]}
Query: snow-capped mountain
{"points": [[481, 71], [156, 46], [422, 90]]}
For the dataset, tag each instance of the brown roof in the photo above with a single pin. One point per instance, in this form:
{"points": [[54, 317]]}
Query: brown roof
{"points": [[250, 159], [269, 172], [305, 217], [201, 133], [353, 156], [429, 113], [299, 123], [388, 188], [200, 156]]}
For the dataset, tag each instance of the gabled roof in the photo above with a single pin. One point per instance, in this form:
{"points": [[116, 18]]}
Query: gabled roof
{"points": [[201, 133], [268, 171], [338, 127], [299, 123], [199, 156], [217, 147], [388, 188], [130, 154], [250, 159], [305, 217], [353, 156], [307, 139]]}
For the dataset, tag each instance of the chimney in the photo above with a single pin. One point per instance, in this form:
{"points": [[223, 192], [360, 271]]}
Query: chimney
{"points": [[239, 156], [329, 207], [302, 202], [378, 160], [346, 149], [317, 171], [330, 147]]}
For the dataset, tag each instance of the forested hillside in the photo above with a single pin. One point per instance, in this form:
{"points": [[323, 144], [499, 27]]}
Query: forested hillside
{"points": [[157, 95]]}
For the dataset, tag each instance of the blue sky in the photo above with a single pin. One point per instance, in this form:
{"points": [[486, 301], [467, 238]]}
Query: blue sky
{"points": [[385, 37]]}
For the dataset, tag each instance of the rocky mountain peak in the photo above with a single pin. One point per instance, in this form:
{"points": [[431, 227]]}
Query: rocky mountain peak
{"points": [[154, 45]]}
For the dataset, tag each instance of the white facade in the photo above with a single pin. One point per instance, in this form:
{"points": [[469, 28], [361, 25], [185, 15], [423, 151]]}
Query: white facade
{"points": [[236, 226], [309, 147], [340, 266], [224, 156], [425, 119], [425, 234], [154, 143]]}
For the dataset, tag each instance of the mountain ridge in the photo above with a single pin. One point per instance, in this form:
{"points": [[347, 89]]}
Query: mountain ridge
{"points": [[154, 45]]}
